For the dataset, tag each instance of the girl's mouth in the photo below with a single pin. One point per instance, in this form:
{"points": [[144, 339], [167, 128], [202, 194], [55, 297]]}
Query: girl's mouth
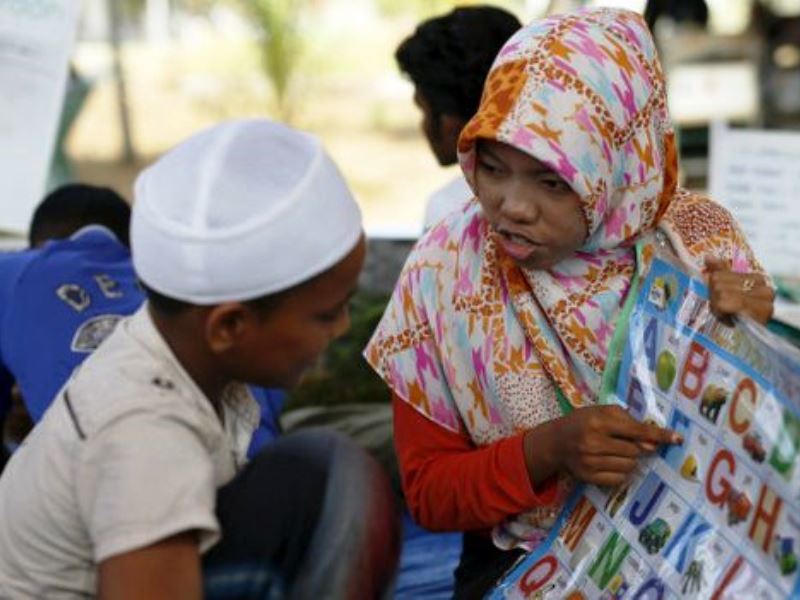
{"points": [[518, 247]]}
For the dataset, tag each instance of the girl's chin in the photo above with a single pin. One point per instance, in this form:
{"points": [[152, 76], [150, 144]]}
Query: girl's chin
{"points": [[538, 261]]}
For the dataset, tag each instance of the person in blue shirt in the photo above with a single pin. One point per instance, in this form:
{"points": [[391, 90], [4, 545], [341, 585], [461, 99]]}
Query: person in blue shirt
{"points": [[63, 296]]}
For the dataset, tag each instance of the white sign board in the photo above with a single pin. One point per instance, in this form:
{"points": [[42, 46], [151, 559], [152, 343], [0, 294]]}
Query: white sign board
{"points": [[36, 39], [702, 92], [756, 175]]}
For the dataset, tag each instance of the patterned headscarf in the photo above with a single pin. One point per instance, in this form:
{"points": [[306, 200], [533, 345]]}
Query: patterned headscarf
{"points": [[478, 344]]}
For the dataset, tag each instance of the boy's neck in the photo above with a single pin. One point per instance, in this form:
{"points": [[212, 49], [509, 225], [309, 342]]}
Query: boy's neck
{"points": [[183, 335]]}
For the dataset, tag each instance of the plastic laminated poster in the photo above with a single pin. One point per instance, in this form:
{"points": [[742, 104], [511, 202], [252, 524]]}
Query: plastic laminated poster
{"points": [[716, 517]]}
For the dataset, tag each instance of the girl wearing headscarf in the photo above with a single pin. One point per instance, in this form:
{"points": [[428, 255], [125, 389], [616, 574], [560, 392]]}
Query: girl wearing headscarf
{"points": [[500, 329]]}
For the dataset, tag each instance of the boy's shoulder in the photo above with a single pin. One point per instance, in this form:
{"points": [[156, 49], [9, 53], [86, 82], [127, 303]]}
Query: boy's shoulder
{"points": [[134, 373]]}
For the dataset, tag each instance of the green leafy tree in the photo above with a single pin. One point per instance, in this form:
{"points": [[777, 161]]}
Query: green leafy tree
{"points": [[420, 9], [281, 46], [423, 9], [198, 7]]}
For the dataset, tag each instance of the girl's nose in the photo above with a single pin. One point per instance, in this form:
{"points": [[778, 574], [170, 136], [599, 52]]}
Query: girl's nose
{"points": [[517, 205]]}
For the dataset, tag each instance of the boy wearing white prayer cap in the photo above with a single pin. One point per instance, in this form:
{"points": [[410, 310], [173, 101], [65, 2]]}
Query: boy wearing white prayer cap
{"points": [[134, 484]]}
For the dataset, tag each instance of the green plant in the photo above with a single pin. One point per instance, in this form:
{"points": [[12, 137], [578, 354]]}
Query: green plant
{"points": [[418, 8], [281, 46], [342, 375], [423, 9], [131, 9], [199, 7]]}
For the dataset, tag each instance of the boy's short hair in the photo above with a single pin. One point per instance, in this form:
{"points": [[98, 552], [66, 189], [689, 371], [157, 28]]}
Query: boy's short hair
{"points": [[448, 57], [74, 206], [171, 307]]}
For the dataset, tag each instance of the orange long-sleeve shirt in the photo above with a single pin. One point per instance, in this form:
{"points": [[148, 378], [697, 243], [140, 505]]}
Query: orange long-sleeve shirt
{"points": [[452, 485]]}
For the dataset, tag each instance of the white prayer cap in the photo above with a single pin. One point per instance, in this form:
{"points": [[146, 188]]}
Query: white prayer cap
{"points": [[241, 210]]}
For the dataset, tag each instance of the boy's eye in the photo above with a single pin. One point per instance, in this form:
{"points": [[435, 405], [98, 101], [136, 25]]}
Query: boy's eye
{"points": [[328, 317], [333, 315]]}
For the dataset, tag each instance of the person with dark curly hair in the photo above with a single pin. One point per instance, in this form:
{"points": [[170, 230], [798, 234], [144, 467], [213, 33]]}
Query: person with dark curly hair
{"points": [[74, 206], [680, 11], [447, 59]]}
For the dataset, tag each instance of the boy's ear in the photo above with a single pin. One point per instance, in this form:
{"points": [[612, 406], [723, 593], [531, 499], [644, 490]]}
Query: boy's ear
{"points": [[226, 324]]}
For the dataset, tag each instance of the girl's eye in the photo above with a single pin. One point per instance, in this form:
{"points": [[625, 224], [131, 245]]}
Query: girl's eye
{"points": [[555, 184], [488, 167]]}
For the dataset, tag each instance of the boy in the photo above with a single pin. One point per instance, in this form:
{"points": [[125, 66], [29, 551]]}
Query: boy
{"points": [[64, 295], [249, 245]]}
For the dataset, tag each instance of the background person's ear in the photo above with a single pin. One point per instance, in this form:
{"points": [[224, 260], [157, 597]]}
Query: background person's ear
{"points": [[450, 127], [226, 324]]}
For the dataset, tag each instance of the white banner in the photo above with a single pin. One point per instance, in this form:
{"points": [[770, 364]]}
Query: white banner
{"points": [[36, 39], [756, 175]]}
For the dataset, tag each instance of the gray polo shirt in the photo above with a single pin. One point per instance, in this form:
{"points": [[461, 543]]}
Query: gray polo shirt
{"points": [[129, 453]]}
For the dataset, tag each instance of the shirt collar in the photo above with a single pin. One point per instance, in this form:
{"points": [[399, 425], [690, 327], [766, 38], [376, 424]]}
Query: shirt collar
{"points": [[236, 398], [93, 229]]}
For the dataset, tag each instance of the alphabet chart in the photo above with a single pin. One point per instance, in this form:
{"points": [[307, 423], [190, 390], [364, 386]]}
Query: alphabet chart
{"points": [[716, 517]]}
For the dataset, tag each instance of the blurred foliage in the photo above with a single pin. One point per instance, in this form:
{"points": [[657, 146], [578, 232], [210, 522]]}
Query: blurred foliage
{"points": [[196, 6], [132, 9], [423, 9], [342, 375], [419, 8], [281, 45]]}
